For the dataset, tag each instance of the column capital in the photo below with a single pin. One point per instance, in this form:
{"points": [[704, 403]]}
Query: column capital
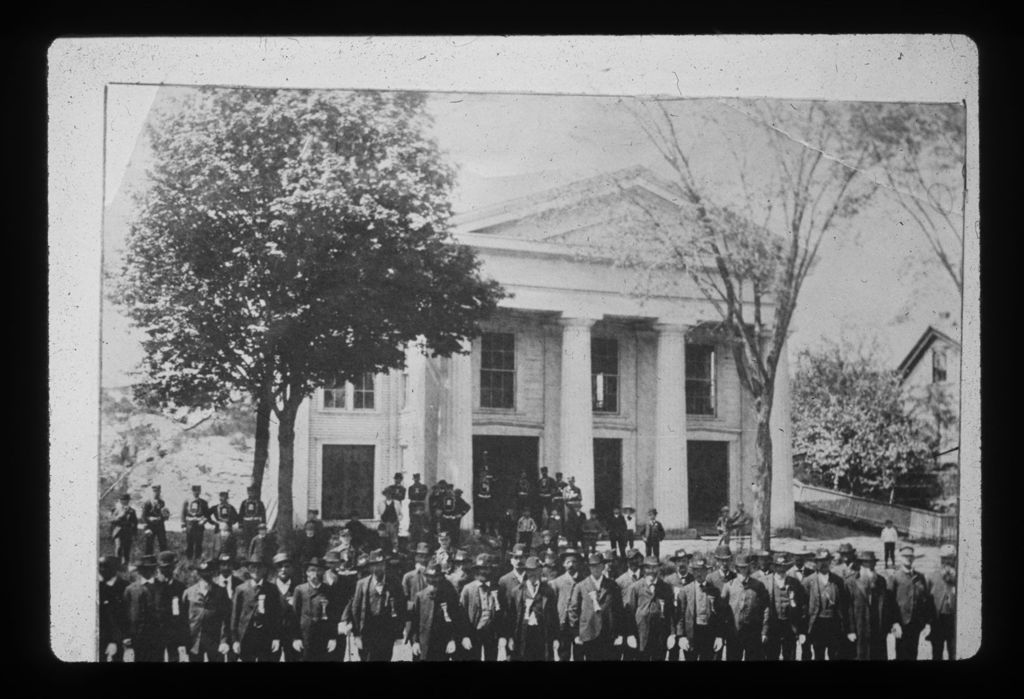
{"points": [[671, 328], [576, 322]]}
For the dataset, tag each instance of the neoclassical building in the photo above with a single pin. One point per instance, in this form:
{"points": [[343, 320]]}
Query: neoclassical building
{"points": [[577, 372]]}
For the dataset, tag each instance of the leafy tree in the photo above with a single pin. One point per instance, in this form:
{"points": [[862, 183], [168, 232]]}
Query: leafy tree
{"points": [[857, 428], [291, 239]]}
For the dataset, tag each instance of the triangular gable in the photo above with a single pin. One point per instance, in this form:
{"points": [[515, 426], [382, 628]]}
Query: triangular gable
{"points": [[924, 343]]}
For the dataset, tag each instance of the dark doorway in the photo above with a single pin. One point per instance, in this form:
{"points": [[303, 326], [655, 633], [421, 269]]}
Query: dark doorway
{"points": [[505, 458], [607, 476], [708, 471], [347, 480]]}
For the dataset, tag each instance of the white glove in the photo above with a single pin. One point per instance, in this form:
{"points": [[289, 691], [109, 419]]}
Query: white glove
{"points": [[684, 643], [631, 641], [510, 645], [223, 648], [129, 655], [331, 645], [415, 648], [344, 628], [801, 639], [357, 643], [897, 631], [851, 637], [578, 641], [671, 643], [450, 648], [236, 647], [182, 654], [275, 646], [718, 645], [617, 641], [297, 645], [110, 650], [467, 644]]}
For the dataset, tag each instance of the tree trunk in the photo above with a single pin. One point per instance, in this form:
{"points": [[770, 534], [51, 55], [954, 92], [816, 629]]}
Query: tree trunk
{"points": [[761, 512], [286, 468], [261, 452]]}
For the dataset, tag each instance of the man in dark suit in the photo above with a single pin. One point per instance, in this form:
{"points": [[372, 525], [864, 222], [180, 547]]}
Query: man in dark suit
{"points": [[512, 580], [634, 571], [226, 577], [341, 580], [870, 610], [595, 611], [908, 591], [154, 516], [142, 633], [461, 575], [208, 611], [788, 602], [723, 571], [124, 524], [748, 608], [532, 617], [256, 617], [649, 607], [563, 586], [113, 616], [699, 614], [828, 609], [484, 615], [284, 581], [377, 612], [437, 623], [195, 513], [942, 587], [681, 576], [315, 634], [169, 593], [617, 531]]}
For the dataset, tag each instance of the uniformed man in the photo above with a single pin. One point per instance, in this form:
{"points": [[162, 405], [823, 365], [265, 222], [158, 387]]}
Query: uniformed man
{"points": [[437, 624], [435, 505], [253, 513], [700, 616], [113, 617], [208, 611], [257, 624], [942, 587], [617, 531], [545, 493], [224, 512], [169, 595], [194, 515], [827, 609], [787, 604], [649, 605], [558, 497], [484, 614], [870, 610], [284, 581], [485, 507], [124, 524], [524, 499], [908, 591], [572, 494], [563, 586], [449, 514], [143, 635], [376, 616], [532, 617], [154, 516], [595, 612], [417, 494], [397, 491], [226, 543], [462, 509], [748, 607]]}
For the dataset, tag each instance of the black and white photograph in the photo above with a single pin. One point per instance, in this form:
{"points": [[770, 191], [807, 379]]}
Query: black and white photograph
{"points": [[531, 349]]}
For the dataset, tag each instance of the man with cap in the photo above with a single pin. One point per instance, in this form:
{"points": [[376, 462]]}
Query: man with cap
{"points": [[315, 634], [154, 515], [912, 602], [169, 593], [257, 623], [828, 609], [563, 586], [462, 509], [195, 513], [545, 492], [617, 531], [387, 513], [208, 611], [723, 571], [558, 497], [653, 533], [677, 579], [649, 612], [942, 587], [484, 498], [437, 624], [512, 580], [417, 494], [112, 614], [484, 613], [252, 513], [224, 511], [532, 617], [396, 491], [377, 612], [284, 581], [460, 575], [595, 612], [870, 611], [124, 524], [699, 615], [788, 601], [142, 634], [747, 607]]}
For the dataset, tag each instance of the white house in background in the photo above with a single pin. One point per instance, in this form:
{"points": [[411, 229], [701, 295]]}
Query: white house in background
{"points": [[933, 364], [573, 372]]}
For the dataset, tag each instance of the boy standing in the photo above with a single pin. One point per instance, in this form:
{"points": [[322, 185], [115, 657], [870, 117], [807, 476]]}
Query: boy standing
{"points": [[889, 538], [652, 533]]}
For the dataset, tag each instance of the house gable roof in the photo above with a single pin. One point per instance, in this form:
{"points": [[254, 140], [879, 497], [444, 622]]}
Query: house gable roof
{"points": [[923, 344]]}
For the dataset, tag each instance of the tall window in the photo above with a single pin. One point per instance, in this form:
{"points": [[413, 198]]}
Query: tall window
{"points": [[700, 380], [498, 370], [938, 365], [362, 395], [604, 374], [334, 396], [350, 397]]}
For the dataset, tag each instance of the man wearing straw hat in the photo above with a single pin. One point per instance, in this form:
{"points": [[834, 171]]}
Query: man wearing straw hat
{"points": [[532, 617], [699, 615], [788, 602], [870, 611], [913, 605], [377, 612], [649, 610], [437, 624], [942, 587], [257, 627], [484, 614]]}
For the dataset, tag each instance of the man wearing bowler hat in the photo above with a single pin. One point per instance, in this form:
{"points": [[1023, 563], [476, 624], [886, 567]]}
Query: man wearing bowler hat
{"points": [[377, 612], [908, 591], [142, 634], [595, 611], [284, 581], [828, 609], [208, 611], [788, 601], [532, 617], [226, 577], [723, 571], [563, 586], [257, 626], [315, 637], [437, 624], [649, 613], [484, 614], [870, 610], [747, 606], [112, 616], [699, 615], [942, 587], [124, 525], [512, 580], [170, 593], [194, 515]]}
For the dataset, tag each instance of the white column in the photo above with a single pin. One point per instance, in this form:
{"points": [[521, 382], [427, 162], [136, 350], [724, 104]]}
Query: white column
{"points": [[671, 495], [576, 419], [782, 447], [455, 463]]}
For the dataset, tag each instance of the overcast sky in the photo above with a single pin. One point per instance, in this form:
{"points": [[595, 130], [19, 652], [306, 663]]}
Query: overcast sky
{"points": [[868, 283]]}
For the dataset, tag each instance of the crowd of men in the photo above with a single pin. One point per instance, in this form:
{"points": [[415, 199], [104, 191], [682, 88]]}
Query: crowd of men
{"points": [[532, 600]]}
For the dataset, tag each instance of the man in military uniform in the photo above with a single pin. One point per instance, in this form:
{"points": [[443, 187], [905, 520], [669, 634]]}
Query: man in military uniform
{"points": [[545, 493], [284, 581], [649, 612], [225, 512], [142, 634], [169, 595], [870, 610], [524, 501], [942, 587], [208, 611], [113, 616], [908, 591], [563, 586], [417, 494], [749, 610], [437, 623], [572, 494], [253, 513], [256, 617], [377, 613], [788, 599], [558, 497], [154, 516], [124, 523], [485, 507], [828, 608], [462, 508], [449, 514], [484, 614], [532, 617], [595, 612], [700, 616], [194, 515]]}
